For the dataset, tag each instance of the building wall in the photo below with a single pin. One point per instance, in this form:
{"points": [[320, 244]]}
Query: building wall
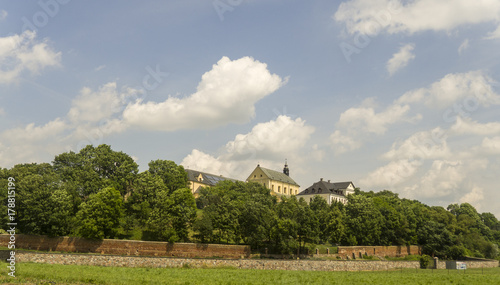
{"points": [[275, 186], [126, 247], [194, 185], [328, 197]]}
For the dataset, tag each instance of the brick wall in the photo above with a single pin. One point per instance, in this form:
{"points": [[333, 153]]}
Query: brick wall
{"points": [[390, 251], [127, 247]]}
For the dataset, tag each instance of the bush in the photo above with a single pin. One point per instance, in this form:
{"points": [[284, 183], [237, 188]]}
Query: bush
{"points": [[425, 260]]}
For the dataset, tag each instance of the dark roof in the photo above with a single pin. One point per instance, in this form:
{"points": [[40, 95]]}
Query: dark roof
{"points": [[209, 179], [278, 176], [326, 187]]}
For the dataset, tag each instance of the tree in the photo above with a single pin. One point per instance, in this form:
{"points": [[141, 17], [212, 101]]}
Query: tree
{"points": [[35, 184], [321, 210], [95, 168], [174, 176], [363, 221], [171, 215], [99, 216]]}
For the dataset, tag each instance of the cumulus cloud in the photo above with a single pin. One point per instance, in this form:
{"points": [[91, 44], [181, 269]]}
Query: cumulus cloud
{"points": [[467, 126], [400, 59], [491, 145], [92, 116], [366, 120], [392, 174], [3, 15], [472, 89], [393, 16], [421, 145], [343, 143], [494, 35], [356, 123], [267, 143], [463, 46], [474, 197], [226, 94], [93, 106], [31, 142], [19, 53]]}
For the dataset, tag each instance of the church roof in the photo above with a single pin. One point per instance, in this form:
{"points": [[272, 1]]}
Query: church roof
{"points": [[278, 176]]}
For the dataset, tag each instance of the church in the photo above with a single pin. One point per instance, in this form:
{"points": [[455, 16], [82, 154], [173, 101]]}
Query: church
{"points": [[280, 183]]}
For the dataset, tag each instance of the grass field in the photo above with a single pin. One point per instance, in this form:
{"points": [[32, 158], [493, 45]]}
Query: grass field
{"points": [[36, 273]]}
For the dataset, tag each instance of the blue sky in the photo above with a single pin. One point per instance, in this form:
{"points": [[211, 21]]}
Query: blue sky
{"points": [[397, 95]]}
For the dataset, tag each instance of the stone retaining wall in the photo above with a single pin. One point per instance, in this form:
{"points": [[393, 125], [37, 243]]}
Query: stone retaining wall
{"points": [[390, 251], [165, 262], [136, 261], [127, 247]]}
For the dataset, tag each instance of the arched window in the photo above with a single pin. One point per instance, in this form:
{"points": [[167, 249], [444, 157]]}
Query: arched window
{"points": [[284, 190], [279, 189]]}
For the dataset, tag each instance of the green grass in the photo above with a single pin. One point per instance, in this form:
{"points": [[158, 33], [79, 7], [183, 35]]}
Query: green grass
{"points": [[35, 273]]}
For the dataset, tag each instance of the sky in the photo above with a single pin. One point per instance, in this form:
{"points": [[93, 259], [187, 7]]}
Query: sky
{"points": [[402, 95]]}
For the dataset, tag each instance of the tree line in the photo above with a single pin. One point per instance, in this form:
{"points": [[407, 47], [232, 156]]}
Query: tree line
{"points": [[99, 193]]}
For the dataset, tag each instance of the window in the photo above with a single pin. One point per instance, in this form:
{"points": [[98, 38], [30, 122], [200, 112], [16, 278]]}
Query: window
{"points": [[284, 190], [264, 183], [279, 189], [272, 187], [254, 176], [261, 175], [295, 192]]}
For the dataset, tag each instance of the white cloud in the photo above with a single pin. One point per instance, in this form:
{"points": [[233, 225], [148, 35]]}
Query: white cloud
{"points": [[272, 139], [494, 35], [3, 15], [472, 89], [474, 197], [400, 59], [356, 123], [100, 67], [267, 143], [466, 126], [392, 174], [463, 46], [343, 143], [366, 120], [30, 143], [491, 145], [93, 106], [22, 52], [420, 146], [393, 16], [226, 94], [93, 115], [442, 179]]}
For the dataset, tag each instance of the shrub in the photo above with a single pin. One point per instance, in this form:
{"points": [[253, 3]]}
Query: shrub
{"points": [[425, 260]]}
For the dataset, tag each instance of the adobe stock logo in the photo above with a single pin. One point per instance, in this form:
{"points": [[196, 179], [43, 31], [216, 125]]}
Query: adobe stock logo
{"points": [[40, 19]]}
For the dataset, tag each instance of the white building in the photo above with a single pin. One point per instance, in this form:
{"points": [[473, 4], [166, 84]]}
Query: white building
{"points": [[330, 191]]}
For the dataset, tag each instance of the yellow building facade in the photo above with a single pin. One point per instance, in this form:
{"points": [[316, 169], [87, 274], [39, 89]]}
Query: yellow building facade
{"points": [[279, 183]]}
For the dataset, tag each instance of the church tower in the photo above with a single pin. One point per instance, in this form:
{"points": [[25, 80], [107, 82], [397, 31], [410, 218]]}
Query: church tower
{"points": [[286, 171]]}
